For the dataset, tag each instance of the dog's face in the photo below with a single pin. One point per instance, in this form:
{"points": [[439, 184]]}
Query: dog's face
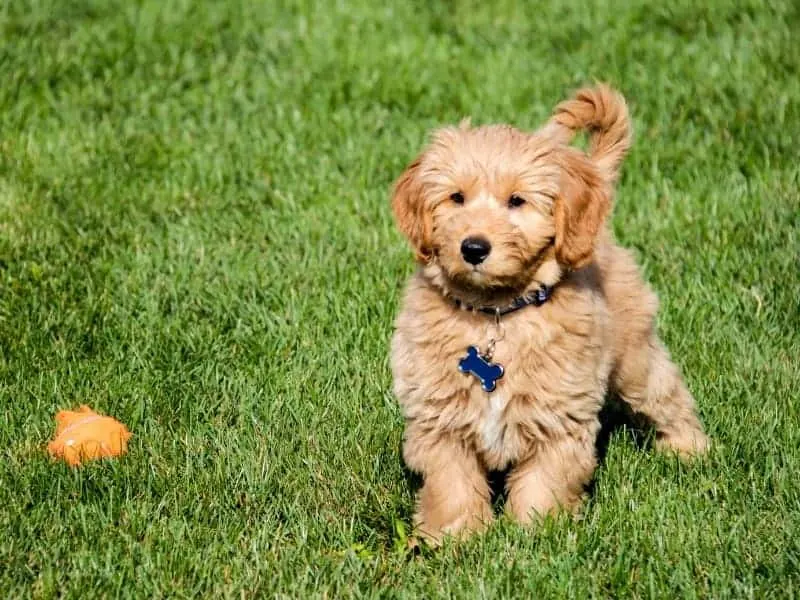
{"points": [[488, 208]]}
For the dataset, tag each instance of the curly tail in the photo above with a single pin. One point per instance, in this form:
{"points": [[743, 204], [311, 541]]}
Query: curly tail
{"points": [[601, 111]]}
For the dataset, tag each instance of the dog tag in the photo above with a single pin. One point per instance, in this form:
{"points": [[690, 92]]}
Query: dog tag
{"points": [[487, 372]]}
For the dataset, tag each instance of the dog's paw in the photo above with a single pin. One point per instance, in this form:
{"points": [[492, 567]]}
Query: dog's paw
{"points": [[686, 445], [433, 533]]}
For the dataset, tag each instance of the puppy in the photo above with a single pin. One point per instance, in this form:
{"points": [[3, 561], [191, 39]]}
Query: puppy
{"points": [[522, 317]]}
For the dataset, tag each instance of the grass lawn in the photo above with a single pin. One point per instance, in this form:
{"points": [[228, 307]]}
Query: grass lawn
{"points": [[195, 237]]}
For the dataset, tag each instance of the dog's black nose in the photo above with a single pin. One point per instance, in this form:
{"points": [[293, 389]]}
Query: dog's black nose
{"points": [[475, 250]]}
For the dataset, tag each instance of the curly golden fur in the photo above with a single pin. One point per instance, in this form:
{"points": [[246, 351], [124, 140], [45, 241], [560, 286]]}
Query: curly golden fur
{"points": [[595, 335]]}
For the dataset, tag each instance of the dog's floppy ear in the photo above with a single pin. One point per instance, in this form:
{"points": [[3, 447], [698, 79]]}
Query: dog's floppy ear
{"points": [[580, 210], [408, 205]]}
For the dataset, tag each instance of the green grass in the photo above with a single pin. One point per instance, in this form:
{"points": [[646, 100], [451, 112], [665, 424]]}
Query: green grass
{"points": [[195, 238]]}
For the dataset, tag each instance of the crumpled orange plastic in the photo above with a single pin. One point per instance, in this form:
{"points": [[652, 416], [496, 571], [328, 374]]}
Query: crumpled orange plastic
{"points": [[85, 435]]}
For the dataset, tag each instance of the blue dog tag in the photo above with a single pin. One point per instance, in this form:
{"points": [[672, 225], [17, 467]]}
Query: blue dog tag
{"points": [[477, 365]]}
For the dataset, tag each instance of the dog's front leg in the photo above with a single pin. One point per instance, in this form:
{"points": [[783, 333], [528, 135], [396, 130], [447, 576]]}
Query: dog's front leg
{"points": [[553, 477], [454, 498]]}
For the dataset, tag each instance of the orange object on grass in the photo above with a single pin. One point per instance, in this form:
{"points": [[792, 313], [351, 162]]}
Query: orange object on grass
{"points": [[84, 435]]}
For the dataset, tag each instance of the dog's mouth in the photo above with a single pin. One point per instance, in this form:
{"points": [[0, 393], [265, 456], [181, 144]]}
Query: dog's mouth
{"points": [[476, 286], [477, 278], [479, 284], [482, 277]]}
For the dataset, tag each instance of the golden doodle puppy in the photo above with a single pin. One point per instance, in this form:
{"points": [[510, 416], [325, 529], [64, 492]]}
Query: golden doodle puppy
{"points": [[522, 316]]}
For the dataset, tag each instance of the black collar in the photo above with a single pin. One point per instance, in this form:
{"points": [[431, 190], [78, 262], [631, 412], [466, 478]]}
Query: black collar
{"points": [[536, 298]]}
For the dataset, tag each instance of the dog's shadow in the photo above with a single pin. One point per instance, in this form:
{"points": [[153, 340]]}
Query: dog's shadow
{"points": [[615, 418]]}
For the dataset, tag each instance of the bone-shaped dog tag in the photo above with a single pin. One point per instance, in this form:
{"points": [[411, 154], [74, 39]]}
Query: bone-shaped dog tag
{"points": [[477, 365]]}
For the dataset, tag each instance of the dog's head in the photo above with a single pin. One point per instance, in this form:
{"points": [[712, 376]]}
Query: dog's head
{"points": [[489, 210]]}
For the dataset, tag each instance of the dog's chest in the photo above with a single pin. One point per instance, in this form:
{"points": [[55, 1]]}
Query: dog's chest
{"points": [[552, 364], [500, 415]]}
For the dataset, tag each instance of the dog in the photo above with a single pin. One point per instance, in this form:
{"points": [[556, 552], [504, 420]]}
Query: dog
{"points": [[523, 317]]}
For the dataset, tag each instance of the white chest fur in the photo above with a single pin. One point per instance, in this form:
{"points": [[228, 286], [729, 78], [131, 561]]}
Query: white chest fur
{"points": [[493, 426]]}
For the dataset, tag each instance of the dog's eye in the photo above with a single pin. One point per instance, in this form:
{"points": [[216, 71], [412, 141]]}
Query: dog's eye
{"points": [[516, 201], [457, 197]]}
